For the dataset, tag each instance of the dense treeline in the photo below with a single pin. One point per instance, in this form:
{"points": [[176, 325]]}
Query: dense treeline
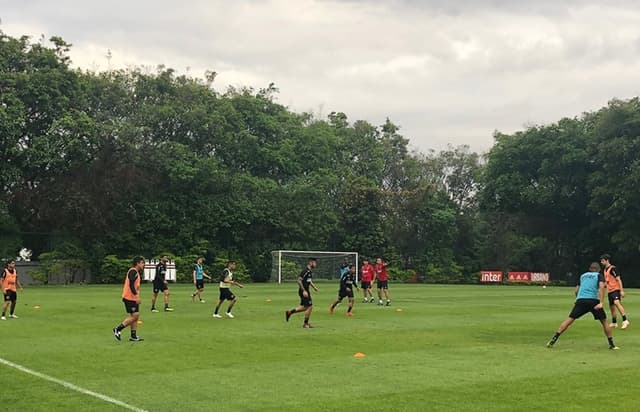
{"points": [[560, 195], [103, 165]]}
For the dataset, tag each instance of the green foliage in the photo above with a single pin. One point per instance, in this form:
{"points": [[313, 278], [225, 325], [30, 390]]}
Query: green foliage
{"points": [[113, 269], [290, 270], [240, 274], [560, 193], [65, 263], [132, 162], [185, 266], [10, 241], [449, 273], [402, 275]]}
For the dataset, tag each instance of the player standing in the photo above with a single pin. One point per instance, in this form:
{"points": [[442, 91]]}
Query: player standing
{"points": [[589, 294], [305, 282], [9, 280], [160, 284], [131, 300], [382, 280], [198, 280], [347, 283], [367, 277], [616, 292], [226, 280]]}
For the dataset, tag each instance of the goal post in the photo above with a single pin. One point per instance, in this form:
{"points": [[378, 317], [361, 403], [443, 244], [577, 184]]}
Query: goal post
{"points": [[286, 265]]}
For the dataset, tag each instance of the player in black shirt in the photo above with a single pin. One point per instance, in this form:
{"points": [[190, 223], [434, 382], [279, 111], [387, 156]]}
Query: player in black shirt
{"points": [[347, 283], [160, 284], [305, 282]]}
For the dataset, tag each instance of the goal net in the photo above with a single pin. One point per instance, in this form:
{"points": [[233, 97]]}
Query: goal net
{"points": [[286, 265]]}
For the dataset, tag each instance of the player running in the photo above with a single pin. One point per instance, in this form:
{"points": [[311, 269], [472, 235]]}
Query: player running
{"points": [[226, 280], [347, 283], [589, 294], [198, 280], [616, 292], [131, 300], [305, 282]]}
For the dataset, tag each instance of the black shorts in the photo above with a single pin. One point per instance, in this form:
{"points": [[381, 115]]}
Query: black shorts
{"points": [[383, 284], [131, 306], [613, 296], [366, 284], [10, 295], [160, 287], [200, 284], [306, 302], [583, 306], [226, 294], [345, 294]]}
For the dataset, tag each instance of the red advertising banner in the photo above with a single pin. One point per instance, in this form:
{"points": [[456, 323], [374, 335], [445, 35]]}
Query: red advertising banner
{"points": [[490, 276], [540, 276], [519, 276]]}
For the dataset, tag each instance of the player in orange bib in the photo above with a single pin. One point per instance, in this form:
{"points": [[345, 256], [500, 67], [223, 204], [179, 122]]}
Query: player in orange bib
{"points": [[131, 300], [616, 292], [9, 280]]}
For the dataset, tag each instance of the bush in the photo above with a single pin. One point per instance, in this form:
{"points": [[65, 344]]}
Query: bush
{"points": [[184, 267], [400, 275], [451, 273], [113, 269], [62, 264]]}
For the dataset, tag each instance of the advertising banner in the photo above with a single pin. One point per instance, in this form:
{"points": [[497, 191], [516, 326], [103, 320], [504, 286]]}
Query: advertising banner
{"points": [[519, 276], [540, 276], [490, 276]]}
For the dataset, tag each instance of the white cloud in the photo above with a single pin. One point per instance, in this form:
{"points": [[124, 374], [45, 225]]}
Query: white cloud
{"points": [[447, 72]]}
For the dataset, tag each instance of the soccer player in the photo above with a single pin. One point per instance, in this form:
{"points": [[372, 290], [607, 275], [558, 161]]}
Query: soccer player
{"points": [[589, 294], [347, 283], [616, 292], [367, 277], [9, 281], [226, 280], [344, 268], [198, 280], [160, 284], [305, 283], [382, 280], [131, 300]]}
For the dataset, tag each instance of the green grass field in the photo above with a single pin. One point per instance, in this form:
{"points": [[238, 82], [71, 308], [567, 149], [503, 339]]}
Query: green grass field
{"points": [[450, 348]]}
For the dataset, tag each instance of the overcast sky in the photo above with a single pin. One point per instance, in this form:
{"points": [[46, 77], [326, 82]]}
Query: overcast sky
{"points": [[447, 72]]}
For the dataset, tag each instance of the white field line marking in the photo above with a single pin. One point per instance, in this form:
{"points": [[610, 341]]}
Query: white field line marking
{"points": [[71, 386]]}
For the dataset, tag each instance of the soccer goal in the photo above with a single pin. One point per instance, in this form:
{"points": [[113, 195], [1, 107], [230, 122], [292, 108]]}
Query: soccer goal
{"points": [[286, 265]]}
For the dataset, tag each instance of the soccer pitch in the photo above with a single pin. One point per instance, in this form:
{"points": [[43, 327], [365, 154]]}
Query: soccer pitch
{"points": [[437, 348]]}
